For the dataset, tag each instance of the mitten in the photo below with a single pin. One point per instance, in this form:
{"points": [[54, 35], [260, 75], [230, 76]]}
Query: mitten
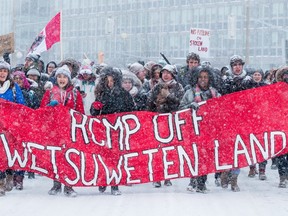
{"points": [[194, 106], [53, 103], [97, 105]]}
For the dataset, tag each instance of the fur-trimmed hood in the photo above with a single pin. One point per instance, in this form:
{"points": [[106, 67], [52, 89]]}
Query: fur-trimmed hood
{"points": [[196, 71], [136, 82], [280, 72]]}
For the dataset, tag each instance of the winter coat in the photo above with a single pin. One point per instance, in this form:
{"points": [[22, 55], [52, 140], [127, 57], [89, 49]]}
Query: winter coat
{"points": [[115, 100], [11, 92], [38, 89], [183, 76], [31, 98], [165, 97], [253, 84], [235, 83], [70, 97], [191, 96]]}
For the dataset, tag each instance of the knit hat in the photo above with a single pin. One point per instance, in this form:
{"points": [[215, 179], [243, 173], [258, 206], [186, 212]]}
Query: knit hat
{"points": [[169, 68], [136, 68], [236, 58], [33, 56], [33, 71], [148, 66], [63, 70], [259, 70], [4, 65]]}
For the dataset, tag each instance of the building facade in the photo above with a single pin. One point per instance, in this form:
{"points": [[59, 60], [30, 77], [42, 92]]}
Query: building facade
{"points": [[130, 30]]}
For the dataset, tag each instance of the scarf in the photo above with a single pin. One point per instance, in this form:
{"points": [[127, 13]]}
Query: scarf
{"points": [[198, 93], [5, 87]]}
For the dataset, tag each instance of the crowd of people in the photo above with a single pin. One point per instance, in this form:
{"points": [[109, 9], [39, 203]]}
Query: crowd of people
{"points": [[102, 89]]}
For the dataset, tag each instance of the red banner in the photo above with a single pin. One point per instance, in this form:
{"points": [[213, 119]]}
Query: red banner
{"points": [[232, 131]]}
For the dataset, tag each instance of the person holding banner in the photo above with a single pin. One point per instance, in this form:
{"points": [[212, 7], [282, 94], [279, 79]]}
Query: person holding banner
{"points": [[257, 81], [202, 90], [33, 102], [111, 97], [237, 80], [282, 161], [86, 82], [165, 97], [64, 93], [10, 91]]}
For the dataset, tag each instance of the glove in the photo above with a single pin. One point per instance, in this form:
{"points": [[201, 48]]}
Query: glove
{"points": [[53, 103], [194, 106], [247, 78], [97, 105], [48, 85]]}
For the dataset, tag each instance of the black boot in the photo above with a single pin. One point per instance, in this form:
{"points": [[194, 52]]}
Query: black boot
{"points": [[56, 189], [68, 191], [115, 190], [31, 175], [102, 189]]}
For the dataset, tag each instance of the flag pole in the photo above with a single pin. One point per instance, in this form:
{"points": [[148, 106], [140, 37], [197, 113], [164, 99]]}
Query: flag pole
{"points": [[61, 47]]}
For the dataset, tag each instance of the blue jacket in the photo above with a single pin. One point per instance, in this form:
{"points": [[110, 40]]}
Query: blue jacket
{"points": [[14, 95]]}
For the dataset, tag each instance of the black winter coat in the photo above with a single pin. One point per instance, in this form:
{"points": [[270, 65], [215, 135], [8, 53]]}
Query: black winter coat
{"points": [[165, 103], [114, 101], [235, 84]]}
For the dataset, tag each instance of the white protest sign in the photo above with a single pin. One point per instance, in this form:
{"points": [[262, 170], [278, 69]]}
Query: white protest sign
{"points": [[200, 42]]}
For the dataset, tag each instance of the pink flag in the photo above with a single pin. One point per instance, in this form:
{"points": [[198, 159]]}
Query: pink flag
{"points": [[48, 36]]}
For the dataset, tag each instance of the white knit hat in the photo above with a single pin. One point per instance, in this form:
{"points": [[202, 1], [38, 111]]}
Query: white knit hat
{"points": [[136, 68], [4, 65], [33, 71], [63, 70]]}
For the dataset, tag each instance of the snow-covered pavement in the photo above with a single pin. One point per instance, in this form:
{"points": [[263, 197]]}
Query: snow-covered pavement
{"points": [[256, 197]]}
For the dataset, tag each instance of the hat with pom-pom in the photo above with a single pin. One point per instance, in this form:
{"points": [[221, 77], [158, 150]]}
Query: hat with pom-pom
{"points": [[63, 70]]}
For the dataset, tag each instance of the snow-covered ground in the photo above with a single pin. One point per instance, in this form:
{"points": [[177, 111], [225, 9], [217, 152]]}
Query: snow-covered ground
{"points": [[256, 197]]}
